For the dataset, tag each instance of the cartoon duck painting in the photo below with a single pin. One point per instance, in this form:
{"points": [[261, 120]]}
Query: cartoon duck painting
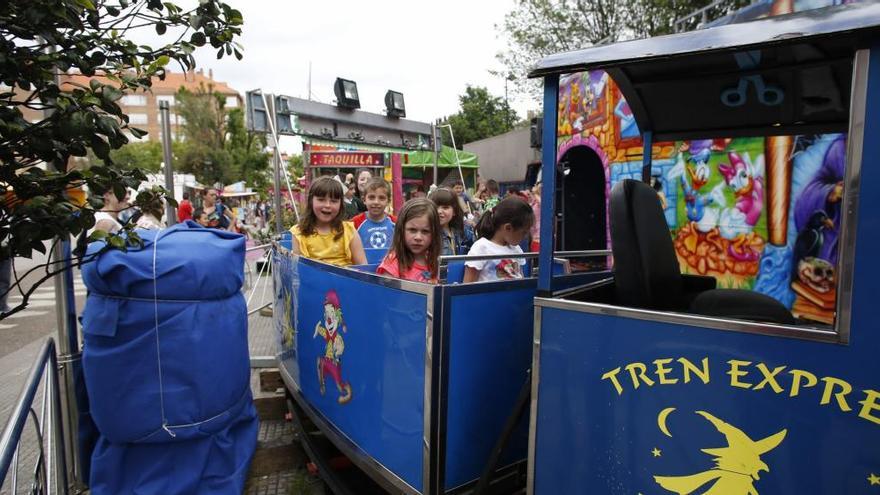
{"points": [[747, 183], [737, 466], [331, 362], [745, 179], [693, 175]]}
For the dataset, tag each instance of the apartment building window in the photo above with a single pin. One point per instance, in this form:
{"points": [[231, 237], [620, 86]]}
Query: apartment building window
{"points": [[231, 101], [134, 100], [137, 118]]}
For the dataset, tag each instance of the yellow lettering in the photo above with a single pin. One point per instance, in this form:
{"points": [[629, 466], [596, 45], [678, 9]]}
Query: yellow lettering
{"points": [[845, 389], [662, 371], [769, 378], [613, 376], [640, 374], [797, 377], [870, 404], [735, 373], [689, 368]]}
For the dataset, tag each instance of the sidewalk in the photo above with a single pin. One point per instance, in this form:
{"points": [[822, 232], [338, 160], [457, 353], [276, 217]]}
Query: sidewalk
{"points": [[15, 366]]}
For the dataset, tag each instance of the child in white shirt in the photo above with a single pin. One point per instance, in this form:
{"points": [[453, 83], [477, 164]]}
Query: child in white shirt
{"points": [[501, 231]]}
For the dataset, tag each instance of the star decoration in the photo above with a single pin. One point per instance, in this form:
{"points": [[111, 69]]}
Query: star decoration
{"points": [[874, 479], [657, 452]]}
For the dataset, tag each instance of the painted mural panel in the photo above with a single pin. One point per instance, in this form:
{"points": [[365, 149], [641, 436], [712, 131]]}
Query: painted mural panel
{"points": [[759, 213]]}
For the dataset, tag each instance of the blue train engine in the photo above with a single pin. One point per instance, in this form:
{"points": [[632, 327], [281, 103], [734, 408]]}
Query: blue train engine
{"points": [[732, 348]]}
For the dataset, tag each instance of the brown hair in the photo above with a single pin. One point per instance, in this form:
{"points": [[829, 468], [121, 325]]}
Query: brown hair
{"points": [[377, 183], [445, 197], [415, 208], [512, 210], [323, 187]]}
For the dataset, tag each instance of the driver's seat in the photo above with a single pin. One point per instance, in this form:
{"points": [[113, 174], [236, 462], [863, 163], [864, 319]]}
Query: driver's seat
{"points": [[647, 273]]}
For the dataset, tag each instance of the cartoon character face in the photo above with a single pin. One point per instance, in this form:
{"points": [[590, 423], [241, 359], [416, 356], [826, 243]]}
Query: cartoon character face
{"points": [[699, 174], [816, 273], [331, 319]]}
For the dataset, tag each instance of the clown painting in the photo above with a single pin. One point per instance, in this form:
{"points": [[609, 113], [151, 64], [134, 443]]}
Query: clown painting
{"points": [[334, 346]]}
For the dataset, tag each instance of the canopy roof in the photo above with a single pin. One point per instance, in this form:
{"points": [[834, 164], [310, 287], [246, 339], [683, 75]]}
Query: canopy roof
{"points": [[781, 75], [447, 158]]}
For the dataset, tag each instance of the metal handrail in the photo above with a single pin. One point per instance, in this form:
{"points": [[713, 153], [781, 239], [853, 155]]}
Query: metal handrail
{"points": [[50, 472], [530, 255]]}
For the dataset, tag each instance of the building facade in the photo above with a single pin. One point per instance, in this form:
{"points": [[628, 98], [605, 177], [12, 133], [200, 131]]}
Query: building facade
{"points": [[142, 108]]}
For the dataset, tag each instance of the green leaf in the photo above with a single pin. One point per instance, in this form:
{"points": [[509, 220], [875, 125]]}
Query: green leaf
{"points": [[86, 4], [163, 60], [197, 38], [97, 235], [117, 242]]}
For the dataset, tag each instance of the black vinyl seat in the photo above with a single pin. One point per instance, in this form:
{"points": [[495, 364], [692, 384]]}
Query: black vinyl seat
{"points": [[646, 270]]}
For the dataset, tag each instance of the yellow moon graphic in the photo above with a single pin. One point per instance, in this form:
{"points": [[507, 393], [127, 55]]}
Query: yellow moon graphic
{"points": [[661, 420]]}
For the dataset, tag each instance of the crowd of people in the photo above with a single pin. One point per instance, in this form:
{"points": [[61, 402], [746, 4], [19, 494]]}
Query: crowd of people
{"points": [[344, 218]]}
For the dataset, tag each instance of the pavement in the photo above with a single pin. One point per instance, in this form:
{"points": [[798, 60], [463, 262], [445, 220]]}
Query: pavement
{"points": [[23, 334]]}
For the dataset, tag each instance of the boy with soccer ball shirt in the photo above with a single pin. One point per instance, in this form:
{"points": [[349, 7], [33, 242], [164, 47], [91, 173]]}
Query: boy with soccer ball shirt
{"points": [[374, 226]]}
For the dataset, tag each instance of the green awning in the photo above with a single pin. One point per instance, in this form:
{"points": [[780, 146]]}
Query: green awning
{"points": [[447, 159]]}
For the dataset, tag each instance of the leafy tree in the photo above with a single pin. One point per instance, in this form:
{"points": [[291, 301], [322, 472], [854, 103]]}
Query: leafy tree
{"points": [[538, 28], [218, 146], [482, 115], [41, 39], [146, 156]]}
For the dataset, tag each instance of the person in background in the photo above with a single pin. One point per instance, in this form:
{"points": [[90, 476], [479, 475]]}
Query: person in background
{"points": [[493, 197], [419, 192], [361, 178], [416, 244], [351, 208], [535, 203], [151, 215], [456, 237], [200, 217], [321, 233], [464, 202], [501, 231], [374, 226], [217, 213], [108, 218], [184, 209]]}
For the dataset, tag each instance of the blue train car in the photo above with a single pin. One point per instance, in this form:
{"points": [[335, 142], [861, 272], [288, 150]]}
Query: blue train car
{"points": [[733, 347], [413, 382]]}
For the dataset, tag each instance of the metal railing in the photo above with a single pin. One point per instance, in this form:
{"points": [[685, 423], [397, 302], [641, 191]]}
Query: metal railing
{"points": [[49, 470], [263, 270], [530, 256]]}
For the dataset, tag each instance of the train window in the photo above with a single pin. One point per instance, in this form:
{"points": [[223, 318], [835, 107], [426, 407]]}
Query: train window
{"points": [[752, 213]]}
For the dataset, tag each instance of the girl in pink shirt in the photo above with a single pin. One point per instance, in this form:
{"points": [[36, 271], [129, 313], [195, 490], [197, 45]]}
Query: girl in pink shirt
{"points": [[416, 244]]}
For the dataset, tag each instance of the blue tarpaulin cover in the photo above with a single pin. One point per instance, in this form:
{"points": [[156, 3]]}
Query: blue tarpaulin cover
{"points": [[166, 364]]}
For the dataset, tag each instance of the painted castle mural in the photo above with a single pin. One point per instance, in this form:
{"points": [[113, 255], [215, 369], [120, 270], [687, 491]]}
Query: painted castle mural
{"points": [[755, 213]]}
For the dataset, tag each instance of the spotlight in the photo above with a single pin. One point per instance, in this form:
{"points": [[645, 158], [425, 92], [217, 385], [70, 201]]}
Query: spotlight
{"points": [[394, 104], [346, 93]]}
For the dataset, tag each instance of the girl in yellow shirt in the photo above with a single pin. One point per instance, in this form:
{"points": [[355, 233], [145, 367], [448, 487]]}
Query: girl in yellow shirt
{"points": [[321, 233]]}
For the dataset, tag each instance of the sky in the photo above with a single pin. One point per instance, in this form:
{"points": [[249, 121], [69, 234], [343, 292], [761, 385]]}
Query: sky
{"points": [[429, 51]]}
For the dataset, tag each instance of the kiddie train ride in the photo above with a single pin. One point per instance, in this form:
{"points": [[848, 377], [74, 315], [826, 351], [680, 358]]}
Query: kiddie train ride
{"points": [[730, 349]]}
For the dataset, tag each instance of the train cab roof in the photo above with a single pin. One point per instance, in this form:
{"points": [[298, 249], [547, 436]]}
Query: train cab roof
{"points": [[788, 74]]}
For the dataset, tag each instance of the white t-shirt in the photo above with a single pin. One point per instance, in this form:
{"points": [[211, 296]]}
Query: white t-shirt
{"points": [[103, 215], [500, 269]]}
